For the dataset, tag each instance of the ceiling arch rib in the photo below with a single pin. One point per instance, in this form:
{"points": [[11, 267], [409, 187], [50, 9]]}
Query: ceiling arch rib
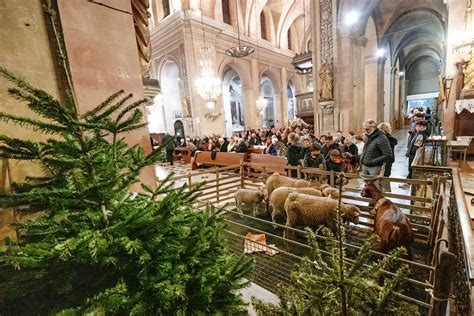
{"points": [[430, 39]]}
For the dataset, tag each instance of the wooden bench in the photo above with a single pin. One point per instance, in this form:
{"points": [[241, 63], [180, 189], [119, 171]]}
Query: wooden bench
{"points": [[271, 163], [182, 153], [222, 159]]}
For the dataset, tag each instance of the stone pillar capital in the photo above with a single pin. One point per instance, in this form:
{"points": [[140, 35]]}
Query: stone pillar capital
{"points": [[357, 39], [381, 60]]}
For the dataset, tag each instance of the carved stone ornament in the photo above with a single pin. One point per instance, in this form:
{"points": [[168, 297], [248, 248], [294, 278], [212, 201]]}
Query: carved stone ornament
{"points": [[142, 34], [326, 32], [212, 116]]}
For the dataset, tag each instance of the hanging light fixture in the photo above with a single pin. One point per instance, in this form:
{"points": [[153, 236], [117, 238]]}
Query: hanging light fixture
{"points": [[239, 50], [303, 62], [208, 85]]}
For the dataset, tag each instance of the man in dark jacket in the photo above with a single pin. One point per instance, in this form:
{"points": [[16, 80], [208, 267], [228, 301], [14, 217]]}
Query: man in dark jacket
{"points": [[223, 143], [377, 150], [241, 146], [168, 141]]}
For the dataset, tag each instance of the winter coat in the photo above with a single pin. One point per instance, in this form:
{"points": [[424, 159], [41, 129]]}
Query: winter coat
{"points": [[334, 166], [413, 145], [393, 142], [242, 148], [295, 153], [311, 162], [377, 150], [223, 147], [168, 141]]}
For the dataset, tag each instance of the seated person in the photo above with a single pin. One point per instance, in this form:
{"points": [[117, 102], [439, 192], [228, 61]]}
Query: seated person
{"points": [[241, 146], [272, 149]]}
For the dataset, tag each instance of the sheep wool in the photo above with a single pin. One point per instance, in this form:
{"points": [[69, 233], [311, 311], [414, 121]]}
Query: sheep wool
{"points": [[278, 199], [314, 211], [247, 196], [331, 192], [276, 180]]}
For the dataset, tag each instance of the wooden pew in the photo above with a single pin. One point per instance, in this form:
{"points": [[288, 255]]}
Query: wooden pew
{"points": [[271, 163], [182, 153], [222, 159]]}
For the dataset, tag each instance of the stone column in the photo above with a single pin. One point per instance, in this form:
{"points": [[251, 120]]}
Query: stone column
{"points": [[251, 95], [370, 102], [380, 88], [282, 117], [392, 117], [403, 99], [396, 104], [351, 80]]}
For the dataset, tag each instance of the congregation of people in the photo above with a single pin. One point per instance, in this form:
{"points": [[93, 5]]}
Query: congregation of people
{"points": [[298, 143]]}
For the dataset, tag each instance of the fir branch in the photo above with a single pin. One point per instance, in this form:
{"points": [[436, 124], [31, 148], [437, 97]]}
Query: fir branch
{"points": [[44, 105], [111, 109], [134, 106], [92, 114], [34, 124]]}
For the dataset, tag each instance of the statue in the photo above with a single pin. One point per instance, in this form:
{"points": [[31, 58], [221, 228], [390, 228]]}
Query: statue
{"points": [[469, 76], [186, 107], [140, 21], [325, 75]]}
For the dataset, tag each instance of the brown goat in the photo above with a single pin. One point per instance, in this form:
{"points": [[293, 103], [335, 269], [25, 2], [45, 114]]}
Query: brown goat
{"points": [[390, 224]]}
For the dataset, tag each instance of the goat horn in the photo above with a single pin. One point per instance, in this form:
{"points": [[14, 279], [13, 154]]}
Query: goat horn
{"points": [[382, 171]]}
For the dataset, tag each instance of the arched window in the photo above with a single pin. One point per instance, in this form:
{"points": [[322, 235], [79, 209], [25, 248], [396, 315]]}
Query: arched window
{"points": [[166, 8], [226, 11], [263, 26]]}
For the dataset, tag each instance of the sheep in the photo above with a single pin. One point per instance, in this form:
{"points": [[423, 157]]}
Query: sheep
{"points": [[247, 196], [315, 211], [324, 186], [331, 192], [278, 198], [276, 180]]}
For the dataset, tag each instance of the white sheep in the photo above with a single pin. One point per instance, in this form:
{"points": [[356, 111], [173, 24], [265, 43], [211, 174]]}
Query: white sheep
{"points": [[276, 180], [278, 198], [314, 211], [331, 192], [247, 196]]}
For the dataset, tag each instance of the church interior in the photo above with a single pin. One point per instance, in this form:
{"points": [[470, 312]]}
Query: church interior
{"points": [[248, 157]]}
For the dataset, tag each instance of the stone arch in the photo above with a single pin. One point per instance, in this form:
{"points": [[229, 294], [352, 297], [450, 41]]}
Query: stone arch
{"points": [[233, 103], [241, 69], [274, 77], [270, 25], [296, 81], [171, 92]]}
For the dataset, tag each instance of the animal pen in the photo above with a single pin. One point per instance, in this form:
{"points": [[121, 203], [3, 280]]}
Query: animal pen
{"points": [[440, 274]]}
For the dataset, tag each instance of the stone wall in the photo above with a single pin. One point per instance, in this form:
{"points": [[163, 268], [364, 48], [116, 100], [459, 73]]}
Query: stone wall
{"points": [[103, 57], [25, 51]]}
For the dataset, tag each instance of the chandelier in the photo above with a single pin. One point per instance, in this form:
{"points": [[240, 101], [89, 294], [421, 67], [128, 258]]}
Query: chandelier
{"points": [[208, 85], [239, 50]]}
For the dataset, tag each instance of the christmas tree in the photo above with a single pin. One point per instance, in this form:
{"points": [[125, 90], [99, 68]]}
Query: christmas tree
{"points": [[93, 246]]}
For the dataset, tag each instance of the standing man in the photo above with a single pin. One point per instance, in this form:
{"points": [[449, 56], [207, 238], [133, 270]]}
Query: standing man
{"points": [[168, 141], [377, 150]]}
